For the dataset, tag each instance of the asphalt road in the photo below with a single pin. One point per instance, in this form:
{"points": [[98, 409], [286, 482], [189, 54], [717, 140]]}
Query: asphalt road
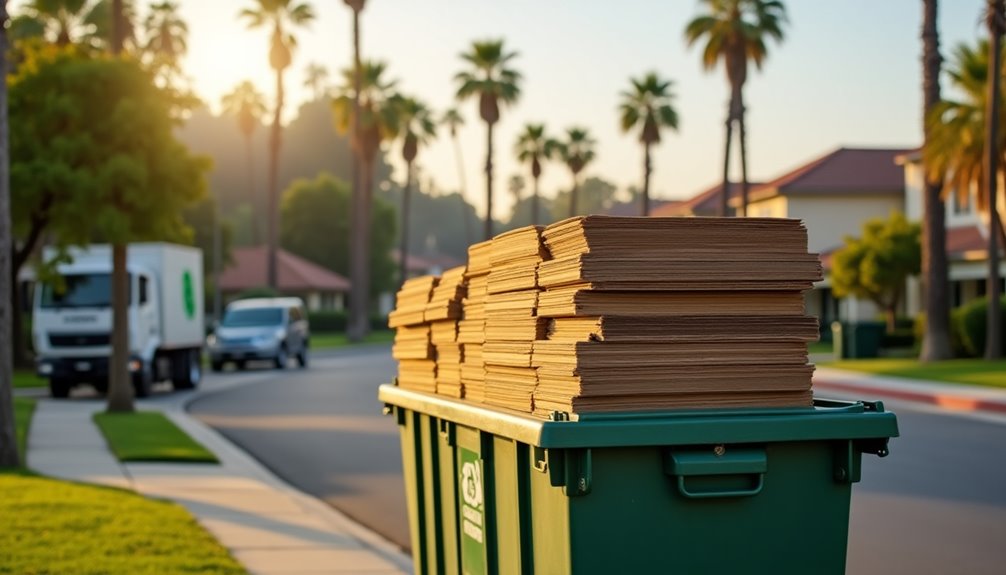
{"points": [[936, 505]]}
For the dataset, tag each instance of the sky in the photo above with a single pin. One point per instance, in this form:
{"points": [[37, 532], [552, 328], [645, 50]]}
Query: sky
{"points": [[848, 73]]}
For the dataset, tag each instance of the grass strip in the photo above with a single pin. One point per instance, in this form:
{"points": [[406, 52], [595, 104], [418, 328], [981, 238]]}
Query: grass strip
{"points": [[335, 340], [149, 436], [966, 371], [24, 379], [55, 526], [24, 408]]}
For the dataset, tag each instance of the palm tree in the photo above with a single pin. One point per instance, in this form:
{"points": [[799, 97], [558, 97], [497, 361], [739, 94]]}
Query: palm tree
{"points": [[376, 122], [576, 152], [453, 120], [359, 224], [493, 83], [649, 104], [936, 340], [532, 147], [994, 20], [417, 128], [280, 15], [735, 31], [247, 104], [8, 441], [167, 40], [956, 148], [316, 80]]}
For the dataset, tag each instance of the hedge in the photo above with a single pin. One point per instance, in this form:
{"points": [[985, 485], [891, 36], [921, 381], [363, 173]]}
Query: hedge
{"points": [[971, 320], [327, 321]]}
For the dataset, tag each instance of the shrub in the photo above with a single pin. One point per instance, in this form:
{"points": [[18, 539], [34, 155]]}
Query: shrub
{"points": [[331, 321], [956, 345], [970, 322]]}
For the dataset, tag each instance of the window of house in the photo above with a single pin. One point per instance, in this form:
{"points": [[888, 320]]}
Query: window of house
{"points": [[962, 205]]}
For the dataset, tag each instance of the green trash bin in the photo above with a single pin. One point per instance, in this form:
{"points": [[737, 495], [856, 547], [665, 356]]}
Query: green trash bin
{"points": [[864, 339], [690, 492]]}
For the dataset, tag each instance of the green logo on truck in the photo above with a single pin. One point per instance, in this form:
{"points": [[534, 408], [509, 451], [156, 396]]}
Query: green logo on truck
{"points": [[188, 295]]}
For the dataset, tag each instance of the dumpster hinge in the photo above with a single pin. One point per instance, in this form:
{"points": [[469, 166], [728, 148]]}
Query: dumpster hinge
{"points": [[574, 472], [847, 457], [447, 431]]}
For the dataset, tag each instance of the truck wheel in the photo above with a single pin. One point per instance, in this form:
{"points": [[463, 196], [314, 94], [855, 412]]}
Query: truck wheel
{"points": [[217, 365], [142, 381], [188, 370], [59, 388], [240, 364], [281, 357], [101, 386]]}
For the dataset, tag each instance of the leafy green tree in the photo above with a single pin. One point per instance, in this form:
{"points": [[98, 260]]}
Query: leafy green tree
{"points": [[416, 128], [315, 226], [491, 80], [532, 147], [280, 16], [9, 456], [576, 151], [876, 265], [365, 108], [648, 105], [101, 144], [736, 31], [594, 196]]}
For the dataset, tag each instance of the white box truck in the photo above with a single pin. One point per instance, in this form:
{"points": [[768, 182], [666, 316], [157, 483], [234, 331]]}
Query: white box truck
{"points": [[72, 322]]}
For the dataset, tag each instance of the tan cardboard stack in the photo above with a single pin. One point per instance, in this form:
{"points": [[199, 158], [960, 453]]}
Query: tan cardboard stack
{"points": [[472, 327], [442, 314], [659, 313], [417, 368], [512, 324]]}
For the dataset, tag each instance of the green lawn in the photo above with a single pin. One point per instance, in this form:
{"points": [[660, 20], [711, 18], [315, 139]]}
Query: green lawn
{"points": [[149, 436], [24, 378], [52, 526], [24, 408], [333, 340], [821, 347], [970, 371]]}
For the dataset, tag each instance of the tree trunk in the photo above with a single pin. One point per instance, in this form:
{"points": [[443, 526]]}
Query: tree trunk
{"points": [[256, 220], [8, 441], [120, 386], [647, 169], [534, 202], [359, 225], [403, 251], [19, 349], [993, 347], [489, 182], [572, 197], [935, 282], [463, 191], [725, 191], [742, 136], [218, 254], [272, 210]]}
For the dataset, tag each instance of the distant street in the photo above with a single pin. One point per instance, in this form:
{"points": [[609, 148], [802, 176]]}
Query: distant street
{"points": [[936, 505]]}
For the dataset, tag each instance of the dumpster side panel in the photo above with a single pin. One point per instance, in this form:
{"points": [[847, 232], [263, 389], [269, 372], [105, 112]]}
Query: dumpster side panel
{"points": [[507, 496], [448, 470], [549, 523], [431, 495], [408, 426]]}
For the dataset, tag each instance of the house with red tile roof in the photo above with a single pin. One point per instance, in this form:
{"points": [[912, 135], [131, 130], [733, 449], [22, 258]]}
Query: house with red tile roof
{"points": [[318, 287]]}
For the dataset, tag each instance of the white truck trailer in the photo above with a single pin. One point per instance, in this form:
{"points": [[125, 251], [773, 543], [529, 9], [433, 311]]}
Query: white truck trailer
{"points": [[72, 323]]}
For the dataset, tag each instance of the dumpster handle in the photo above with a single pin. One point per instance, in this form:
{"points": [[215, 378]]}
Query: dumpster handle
{"points": [[728, 493]]}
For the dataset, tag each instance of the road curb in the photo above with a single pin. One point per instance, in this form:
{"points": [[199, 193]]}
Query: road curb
{"points": [[943, 396]]}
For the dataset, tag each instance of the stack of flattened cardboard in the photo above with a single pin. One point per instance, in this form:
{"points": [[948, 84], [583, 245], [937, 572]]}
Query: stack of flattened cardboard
{"points": [[472, 327], [442, 315], [417, 368], [512, 324], [663, 313]]}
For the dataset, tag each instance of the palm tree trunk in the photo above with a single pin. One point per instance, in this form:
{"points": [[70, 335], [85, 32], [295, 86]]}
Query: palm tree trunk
{"points": [[272, 210], [8, 441], [120, 388], [742, 136], [463, 191], [572, 197], [993, 346], [256, 221], [359, 272], [218, 254], [647, 169], [534, 203], [725, 190], [403, 251], [489, 182], [936, 285]]}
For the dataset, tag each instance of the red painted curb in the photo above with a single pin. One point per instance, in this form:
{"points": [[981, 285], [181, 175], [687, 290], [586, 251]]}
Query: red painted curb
{"points": [[950, 402]]}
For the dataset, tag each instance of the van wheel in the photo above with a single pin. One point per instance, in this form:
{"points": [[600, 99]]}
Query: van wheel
{"points": [[281, 357], [302, 357], [59, 388], [188, 370]]}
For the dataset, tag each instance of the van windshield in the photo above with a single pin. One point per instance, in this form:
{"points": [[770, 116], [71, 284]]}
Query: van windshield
{"points": [[81, 290], [253, 317]]}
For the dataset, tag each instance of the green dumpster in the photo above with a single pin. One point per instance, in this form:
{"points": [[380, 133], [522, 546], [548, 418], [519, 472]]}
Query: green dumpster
{"points": [[690, 492], [857, 340]]}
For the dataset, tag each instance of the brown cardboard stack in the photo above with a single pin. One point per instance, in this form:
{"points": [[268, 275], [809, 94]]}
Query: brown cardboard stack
{"points": [[413, 348], [655, 313], [472, 327], [442, 315], [512, 324]]}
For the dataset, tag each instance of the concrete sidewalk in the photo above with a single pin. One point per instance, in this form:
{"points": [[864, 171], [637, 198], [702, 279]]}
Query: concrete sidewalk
{"points": [[269, 527], [949, 396]]}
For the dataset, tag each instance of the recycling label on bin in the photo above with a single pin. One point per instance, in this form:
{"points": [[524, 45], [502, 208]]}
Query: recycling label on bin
{"points": [[472, 506]]}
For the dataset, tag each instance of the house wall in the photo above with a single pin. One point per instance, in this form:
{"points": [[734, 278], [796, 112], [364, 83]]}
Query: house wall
{"points": [[830, 219]]}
